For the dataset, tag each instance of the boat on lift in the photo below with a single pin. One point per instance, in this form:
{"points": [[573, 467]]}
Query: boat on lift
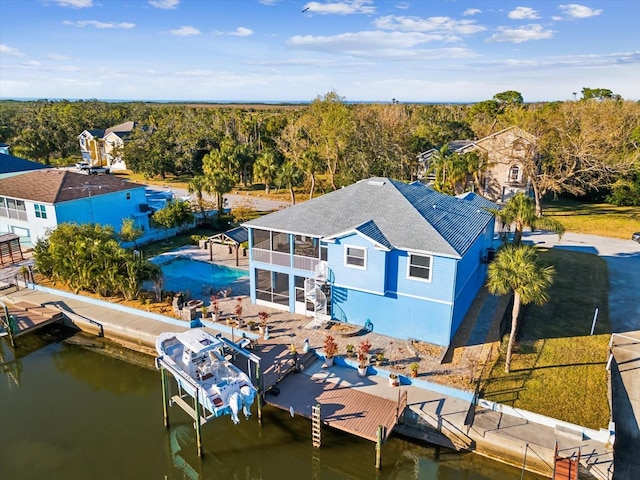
{"points": [[198, 362]]}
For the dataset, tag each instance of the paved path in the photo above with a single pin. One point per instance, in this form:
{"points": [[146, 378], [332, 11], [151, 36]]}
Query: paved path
{"points": [[623, 260]]}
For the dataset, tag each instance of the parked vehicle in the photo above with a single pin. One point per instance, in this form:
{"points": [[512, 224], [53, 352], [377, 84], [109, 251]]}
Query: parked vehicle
{"points": [[97, 170], [636, 237], [84, 165]]}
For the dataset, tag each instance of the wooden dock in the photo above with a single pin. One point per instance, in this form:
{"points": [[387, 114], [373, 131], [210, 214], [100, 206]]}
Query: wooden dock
{"points": [[343, 408], [20, 318]]}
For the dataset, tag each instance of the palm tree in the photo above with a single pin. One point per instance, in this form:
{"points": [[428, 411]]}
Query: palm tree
{"points": [[520, 211], [516, 269], [289, 175], [265, 168], [199, 185]]}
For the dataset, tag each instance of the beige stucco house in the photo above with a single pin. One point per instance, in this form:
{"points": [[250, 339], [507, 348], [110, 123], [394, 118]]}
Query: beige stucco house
{"points": [[506, 153]]}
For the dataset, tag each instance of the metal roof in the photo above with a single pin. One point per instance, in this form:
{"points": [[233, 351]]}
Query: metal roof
{"points": [[236, 235]]}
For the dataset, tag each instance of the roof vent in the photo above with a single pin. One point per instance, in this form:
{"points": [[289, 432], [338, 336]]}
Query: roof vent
{"points": [[378, 183]]}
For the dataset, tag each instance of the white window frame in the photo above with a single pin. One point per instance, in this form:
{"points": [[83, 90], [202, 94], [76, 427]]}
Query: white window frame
{"points": [[41, 211], [420, 279], [346, 257], [518, 169]]}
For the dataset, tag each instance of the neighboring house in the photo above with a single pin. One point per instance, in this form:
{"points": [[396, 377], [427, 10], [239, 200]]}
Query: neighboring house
{"points": [[506, 153], [32, 202], [10, 165], [102, 148], [398, 258]]}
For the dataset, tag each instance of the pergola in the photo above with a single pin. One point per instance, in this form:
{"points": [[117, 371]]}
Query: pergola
{"points": [[10, 251], [234, 238]]}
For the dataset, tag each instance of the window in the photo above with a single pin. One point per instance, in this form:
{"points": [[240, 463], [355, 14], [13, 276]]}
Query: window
{"points": [[261, 239], [514, 174], [41, 211], [419, 267], [355, 257], [12, 208], [272, 287]]}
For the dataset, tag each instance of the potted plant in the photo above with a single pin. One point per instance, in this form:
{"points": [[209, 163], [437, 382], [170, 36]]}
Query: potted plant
{"points": [[393, 380], [414, 369], [363, 357], [251, 324], [215, 308], [379, 357], [238, 308], [330, 350], [263, 316], [350, 349], [203, 311]]}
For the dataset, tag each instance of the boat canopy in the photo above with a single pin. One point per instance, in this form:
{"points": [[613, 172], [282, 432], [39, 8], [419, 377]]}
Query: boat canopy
{"points": [[197, 340]]}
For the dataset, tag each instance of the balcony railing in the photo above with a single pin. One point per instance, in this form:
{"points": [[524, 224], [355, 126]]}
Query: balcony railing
{"points": [[284, 259]]}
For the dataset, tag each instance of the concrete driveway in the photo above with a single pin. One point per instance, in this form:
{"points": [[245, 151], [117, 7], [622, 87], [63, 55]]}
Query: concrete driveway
{"points": [[623, 260]]}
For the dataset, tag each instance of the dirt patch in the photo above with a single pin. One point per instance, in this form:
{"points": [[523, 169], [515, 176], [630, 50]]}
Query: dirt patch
{"points": [[426, 349]]}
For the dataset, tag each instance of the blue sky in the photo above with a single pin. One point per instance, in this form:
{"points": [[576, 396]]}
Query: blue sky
{"points": [[289, 50]]}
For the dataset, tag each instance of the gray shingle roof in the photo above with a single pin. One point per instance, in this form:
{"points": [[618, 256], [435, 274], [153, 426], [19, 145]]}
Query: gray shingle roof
{"points": [[403, 216]]}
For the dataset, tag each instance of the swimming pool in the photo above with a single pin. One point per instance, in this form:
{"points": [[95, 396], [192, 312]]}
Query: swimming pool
{"points": [[201, 278]]}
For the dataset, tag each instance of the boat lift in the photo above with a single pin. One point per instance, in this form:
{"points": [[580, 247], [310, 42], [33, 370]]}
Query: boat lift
{"points": [[197, 411]]}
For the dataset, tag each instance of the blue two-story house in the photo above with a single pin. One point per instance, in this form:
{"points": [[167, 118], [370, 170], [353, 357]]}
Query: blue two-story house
{"points": [[399, 258]]}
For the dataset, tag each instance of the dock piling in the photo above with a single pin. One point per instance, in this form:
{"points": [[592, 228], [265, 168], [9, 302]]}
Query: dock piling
{"points": [[197, 424], [379, 442], [165, 396]]}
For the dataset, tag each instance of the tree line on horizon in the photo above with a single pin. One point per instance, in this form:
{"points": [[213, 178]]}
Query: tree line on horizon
{"points": [[583, 146]]}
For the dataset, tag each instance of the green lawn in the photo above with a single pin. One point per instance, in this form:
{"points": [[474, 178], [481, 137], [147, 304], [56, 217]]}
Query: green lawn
{"points": [[558, 369], [162, 246], [595, 218]]}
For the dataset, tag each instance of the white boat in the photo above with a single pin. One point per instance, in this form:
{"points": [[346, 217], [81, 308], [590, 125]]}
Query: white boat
{"points": [[196, 359]]}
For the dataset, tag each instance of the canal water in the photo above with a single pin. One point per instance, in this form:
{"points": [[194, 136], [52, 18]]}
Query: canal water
{"points": [[72, 409]]}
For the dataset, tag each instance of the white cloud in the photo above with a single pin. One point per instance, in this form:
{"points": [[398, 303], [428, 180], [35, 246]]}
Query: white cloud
{"points": [[7, 50], [575, 10], [165, 4], [57, 57], [74, 3], [521, 34], [431, 24], [242, 32], [32, 63], [97, 24], [403, 6], [184, 31], [378, 44], [523, 13], [471, 11], [340, 8]]}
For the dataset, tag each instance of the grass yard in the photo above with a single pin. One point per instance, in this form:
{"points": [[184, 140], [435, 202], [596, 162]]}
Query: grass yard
{"points": [[171, 243], [595, 218], [557, 368]]}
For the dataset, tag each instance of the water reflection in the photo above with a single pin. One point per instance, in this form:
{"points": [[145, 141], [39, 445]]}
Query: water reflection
{"points": [[78, 414]]}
